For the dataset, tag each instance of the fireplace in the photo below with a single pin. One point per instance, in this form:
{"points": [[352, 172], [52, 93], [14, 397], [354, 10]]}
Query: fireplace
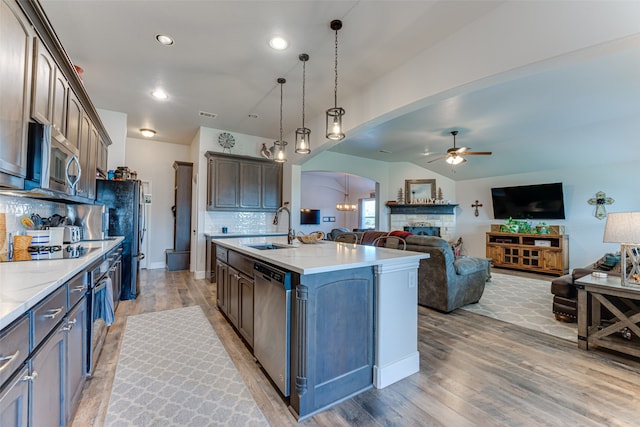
{"points": [[423, 231]]}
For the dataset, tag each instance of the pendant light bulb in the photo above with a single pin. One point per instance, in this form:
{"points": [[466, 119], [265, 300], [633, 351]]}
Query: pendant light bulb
{"points": [[334, 115], [279, 145], [303, 133]]}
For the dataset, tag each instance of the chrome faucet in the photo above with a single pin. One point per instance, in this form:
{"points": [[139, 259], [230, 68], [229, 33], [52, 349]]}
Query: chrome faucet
{"points": [[291, 235]]}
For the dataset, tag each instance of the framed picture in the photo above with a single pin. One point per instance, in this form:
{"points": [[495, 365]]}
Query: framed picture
{"points": [[419, 190]]}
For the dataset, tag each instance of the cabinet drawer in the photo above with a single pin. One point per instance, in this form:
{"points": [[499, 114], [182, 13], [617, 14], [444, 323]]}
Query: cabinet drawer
{"points": [[48, 314], [14, 347], [241, 263], [221, 253], [77, 288]]}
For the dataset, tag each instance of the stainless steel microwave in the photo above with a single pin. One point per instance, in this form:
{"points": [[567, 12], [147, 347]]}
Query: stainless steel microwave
{"points": [[53, 162]]}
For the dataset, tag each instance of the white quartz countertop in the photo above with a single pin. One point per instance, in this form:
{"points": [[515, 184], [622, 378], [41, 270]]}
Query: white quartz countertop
{"points": [[23, 284], [219, 235], [320, 257]]}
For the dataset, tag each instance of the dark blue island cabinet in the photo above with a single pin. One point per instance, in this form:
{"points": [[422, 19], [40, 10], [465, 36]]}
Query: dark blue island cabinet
{"points": [[332, 338]]}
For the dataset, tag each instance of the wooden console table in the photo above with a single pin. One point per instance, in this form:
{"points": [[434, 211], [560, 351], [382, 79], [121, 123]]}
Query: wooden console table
{"points": [[595, 333]]}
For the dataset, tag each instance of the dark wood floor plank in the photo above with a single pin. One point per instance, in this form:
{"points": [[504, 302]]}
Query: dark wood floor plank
{"points": [[474, 371]]}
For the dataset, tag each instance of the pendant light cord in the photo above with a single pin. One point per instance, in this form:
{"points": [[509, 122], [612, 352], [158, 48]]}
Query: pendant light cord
{"points": [[335, 87], [304, 64], [281, 113]]}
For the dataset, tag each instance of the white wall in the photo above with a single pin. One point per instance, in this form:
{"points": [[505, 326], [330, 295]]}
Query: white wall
{"points": [[153, 160], [579, 184], [116, 125]]}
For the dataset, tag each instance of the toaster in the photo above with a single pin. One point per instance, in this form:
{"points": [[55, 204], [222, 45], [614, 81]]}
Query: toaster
{"points": [[71, 234]]}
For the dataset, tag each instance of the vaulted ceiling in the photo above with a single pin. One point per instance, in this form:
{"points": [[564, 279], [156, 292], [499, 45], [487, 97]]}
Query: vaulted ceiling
{"points": [[569, 109]]}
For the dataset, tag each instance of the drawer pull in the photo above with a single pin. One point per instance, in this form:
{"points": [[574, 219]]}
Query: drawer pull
{"points": [[81, 288], [31, 377], [51, 314], [70, 324], [8, 360]]}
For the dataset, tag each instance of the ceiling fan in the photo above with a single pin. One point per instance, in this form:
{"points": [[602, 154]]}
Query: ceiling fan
{"points": [[455, 155]]}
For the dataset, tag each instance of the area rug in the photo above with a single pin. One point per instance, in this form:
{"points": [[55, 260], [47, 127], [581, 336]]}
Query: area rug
{"points": [[174, 371], [524, 302]]}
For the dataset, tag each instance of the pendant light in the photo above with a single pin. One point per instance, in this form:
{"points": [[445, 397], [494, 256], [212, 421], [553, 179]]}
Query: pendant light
{"points": [[279, 154], [303, 133], [334, 115], [346, 205]]}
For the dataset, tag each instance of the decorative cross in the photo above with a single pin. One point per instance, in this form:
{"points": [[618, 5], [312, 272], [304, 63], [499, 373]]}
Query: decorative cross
{"points": [[476, 205], [600, 200]]}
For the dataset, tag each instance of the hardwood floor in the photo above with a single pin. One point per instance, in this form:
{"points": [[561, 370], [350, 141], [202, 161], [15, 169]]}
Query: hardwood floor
{"points": [[474, 371]]}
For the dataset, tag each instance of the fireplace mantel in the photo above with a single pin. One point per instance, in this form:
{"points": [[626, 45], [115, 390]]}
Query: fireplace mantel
{"points": [[422, 209]]}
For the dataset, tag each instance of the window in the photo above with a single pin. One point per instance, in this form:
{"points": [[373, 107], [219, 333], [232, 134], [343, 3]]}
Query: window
{"points": [[368, 213]]}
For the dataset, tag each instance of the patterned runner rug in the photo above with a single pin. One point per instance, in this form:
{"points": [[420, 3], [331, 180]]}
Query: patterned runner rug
{"points": [[524, 302], [174, 371]]}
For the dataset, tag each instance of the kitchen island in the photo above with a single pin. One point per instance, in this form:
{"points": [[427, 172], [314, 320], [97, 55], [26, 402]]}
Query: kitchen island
{"points": [[350, 310]]}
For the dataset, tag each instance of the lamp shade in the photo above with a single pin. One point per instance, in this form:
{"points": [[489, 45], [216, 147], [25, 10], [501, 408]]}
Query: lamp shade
{"points": [[622, 227]]}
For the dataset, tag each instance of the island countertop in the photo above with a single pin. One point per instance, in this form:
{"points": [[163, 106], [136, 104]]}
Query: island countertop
{"points": [[320, 257], [23, 284]]}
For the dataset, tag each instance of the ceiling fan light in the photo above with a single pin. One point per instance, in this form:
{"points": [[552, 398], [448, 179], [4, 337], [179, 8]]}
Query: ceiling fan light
{"points": [[454, 159]]}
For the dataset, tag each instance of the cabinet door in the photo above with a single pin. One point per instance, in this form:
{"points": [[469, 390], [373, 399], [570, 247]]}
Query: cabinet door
{"points": [[496, 253], [74, 117], [271, 186], [245, 325], [14, 408], [43, 83], [48, 395], [233, 304], [59, 114], [552, 260], [76, 325], [221, 285], [84, 147], [103, 156], [92, 163], [250, 185], [226, 183], [16, 37]]}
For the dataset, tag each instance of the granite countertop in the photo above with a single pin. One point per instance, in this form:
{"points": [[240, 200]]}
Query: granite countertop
{"points": [[23, 284], [320, 257]]}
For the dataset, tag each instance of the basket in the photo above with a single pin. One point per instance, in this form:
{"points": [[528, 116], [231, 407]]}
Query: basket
{"points": [[311, 237]]}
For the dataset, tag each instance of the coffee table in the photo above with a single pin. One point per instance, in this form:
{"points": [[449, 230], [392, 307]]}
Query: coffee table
{"points": [[593, 332]]}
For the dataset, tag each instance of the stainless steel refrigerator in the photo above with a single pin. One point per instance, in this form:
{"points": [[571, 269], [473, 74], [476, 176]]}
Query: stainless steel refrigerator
{"points": [[125, 205]]}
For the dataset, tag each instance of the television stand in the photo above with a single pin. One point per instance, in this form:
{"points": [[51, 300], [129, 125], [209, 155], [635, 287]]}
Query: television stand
{"points": [[541, 253]]}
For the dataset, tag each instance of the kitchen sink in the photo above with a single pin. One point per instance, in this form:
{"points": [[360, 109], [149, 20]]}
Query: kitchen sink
{"points": [[270, 246]]}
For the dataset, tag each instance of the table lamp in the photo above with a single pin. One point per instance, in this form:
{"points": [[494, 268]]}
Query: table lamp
{"points": [[624, 228]]}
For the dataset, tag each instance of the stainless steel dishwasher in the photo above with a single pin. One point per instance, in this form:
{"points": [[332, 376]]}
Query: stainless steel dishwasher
{"points": [[272, 323]]}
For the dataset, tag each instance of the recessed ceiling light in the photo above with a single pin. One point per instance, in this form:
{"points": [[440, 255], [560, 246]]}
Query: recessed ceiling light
{"points": [[159, 94], [278, 43], [147, 133], [164, 39]]}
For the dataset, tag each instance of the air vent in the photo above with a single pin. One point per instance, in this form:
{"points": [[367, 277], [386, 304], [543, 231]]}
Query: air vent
{"points": [[208, 115]]}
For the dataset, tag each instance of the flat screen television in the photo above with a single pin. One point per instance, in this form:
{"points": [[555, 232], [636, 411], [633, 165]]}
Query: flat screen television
{"points": [[541, 201], [309, 216]]}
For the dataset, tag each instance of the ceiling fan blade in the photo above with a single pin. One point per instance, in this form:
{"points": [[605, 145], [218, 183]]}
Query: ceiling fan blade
{"points": [[440, 157], [478, 153]]}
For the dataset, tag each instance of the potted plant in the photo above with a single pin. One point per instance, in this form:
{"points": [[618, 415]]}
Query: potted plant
{"points": [[542, 228], [510, 226]]}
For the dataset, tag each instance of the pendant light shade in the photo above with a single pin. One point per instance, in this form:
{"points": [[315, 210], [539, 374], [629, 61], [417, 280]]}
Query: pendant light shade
{"points": [[279, 154], [334, 115], [346, 206], [303, 133]]}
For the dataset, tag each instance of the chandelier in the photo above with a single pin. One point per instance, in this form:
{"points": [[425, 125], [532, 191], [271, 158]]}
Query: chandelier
{"points": [[346, 205]]}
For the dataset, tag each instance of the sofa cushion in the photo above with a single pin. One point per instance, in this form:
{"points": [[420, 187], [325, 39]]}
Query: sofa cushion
{"points": [[466, 265]]}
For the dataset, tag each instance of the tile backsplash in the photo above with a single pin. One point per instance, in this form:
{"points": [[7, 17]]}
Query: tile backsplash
{"points": [[243, 222], [15, 208]]}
